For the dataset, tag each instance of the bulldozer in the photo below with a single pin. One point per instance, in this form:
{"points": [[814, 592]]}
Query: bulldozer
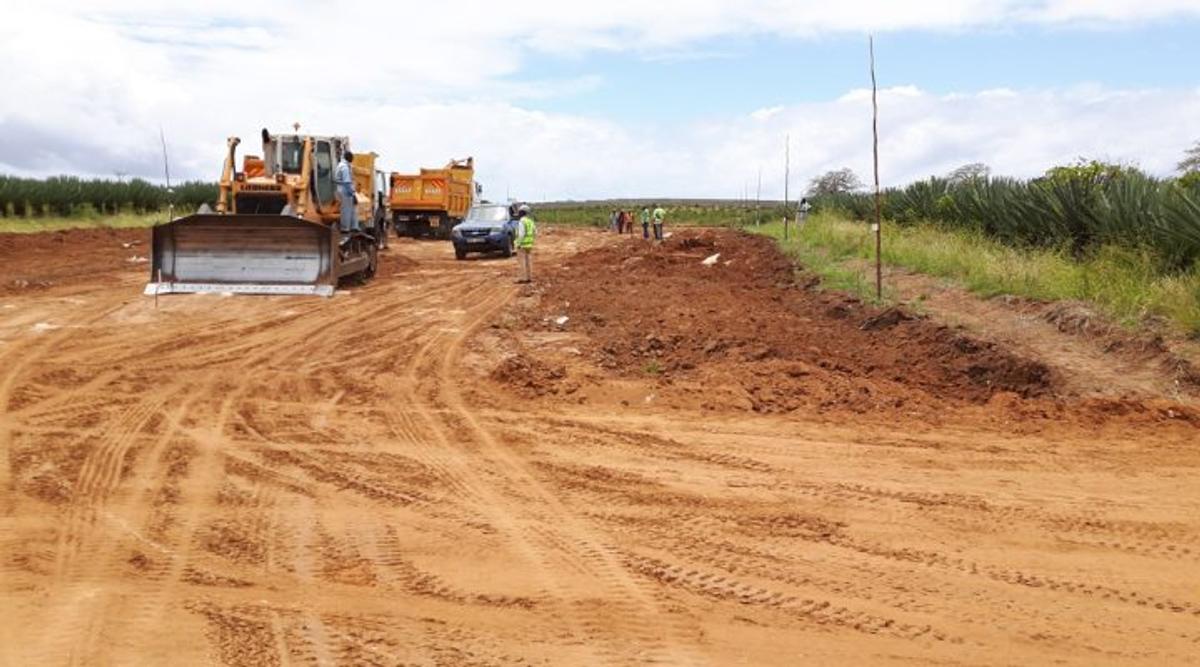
{"points": [[275, 228]]}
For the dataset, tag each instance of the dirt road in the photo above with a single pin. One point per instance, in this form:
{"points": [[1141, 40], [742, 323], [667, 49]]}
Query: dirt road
{"points": [[376, 478]]}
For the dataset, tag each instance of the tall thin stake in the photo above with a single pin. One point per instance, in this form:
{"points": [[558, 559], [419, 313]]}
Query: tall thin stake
{"points": [[787, 172], [757, 196], [878, 196], [162, 136]]}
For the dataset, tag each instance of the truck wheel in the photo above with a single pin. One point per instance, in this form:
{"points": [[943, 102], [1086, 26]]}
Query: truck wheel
{"points": [[460, 254], [508, 248]]}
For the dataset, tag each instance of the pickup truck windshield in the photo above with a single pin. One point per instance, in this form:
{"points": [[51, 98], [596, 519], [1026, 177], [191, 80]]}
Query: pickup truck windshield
{"points": [[489, 214]]}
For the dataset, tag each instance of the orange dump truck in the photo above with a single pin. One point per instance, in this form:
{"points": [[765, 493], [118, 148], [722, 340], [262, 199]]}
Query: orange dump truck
{"points": [[433, 201]]}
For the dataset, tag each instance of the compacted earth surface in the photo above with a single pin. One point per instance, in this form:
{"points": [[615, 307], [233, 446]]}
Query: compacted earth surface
{"points": [[677, 454]]}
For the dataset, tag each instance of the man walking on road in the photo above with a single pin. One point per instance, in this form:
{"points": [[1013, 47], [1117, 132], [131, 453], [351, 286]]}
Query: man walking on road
{"points": [[343, 179], [659, 214], [645, 222], [526, 234]]}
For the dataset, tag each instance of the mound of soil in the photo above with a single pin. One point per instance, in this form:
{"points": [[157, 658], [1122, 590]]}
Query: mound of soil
{"points": [[529, 376], [741, 319], [69, 257]]}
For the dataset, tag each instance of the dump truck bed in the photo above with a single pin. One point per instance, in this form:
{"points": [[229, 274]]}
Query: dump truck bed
{"points": [[433, 190]]}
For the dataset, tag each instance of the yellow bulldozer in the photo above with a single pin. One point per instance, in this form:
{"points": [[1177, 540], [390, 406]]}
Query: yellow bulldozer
{"points": [[275, 228]]}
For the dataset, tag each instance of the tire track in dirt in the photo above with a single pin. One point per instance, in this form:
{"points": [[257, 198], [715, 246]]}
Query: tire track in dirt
{"points": [[298, 522], [435, 444], [822, 612], [126, 538], [701, 544], [101, 472], [561, 535], [17, 359], [1151, 540], [142, 612], [264, 514], [688, 536]]}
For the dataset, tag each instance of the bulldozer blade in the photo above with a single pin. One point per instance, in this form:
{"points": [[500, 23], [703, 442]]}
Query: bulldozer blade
{"points": [[256, 254]]}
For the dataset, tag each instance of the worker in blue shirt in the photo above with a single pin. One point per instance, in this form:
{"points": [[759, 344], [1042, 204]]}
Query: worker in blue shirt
{"points": [[343, 179]]}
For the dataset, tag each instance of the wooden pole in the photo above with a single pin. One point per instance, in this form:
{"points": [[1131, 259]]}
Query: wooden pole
{"points": [[878, 196], [758, 196], [787, 169]]}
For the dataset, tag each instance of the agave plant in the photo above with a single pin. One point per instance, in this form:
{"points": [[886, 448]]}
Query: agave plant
{"points": [[1177, 233]]}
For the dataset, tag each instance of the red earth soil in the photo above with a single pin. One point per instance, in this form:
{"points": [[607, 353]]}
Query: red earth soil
{"points": [[750, 325]]}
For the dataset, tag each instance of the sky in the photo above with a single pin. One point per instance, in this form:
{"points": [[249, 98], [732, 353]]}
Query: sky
{"points": [[625, 98]]}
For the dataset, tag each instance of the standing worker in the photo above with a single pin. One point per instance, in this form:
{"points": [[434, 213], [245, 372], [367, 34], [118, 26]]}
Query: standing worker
{"points": [[659, 214], [802, 212], [526, 234], [343, 179], [645, 222]]}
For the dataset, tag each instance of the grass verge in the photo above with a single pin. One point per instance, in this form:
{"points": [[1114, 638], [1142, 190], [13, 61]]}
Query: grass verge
{"points": [[1125, 284], [596, 215], [16, 225]]}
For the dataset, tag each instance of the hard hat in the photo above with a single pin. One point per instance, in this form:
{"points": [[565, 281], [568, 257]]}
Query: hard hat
{"points": [[524, 208]]}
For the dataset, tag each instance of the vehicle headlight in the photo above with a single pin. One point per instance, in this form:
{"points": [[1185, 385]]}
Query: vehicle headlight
{"points": [[456, 232]]}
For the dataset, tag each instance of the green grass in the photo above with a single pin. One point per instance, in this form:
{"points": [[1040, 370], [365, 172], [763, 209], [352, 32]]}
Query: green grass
{"points": [[21, 225], [596, 215], [1126, 284]]}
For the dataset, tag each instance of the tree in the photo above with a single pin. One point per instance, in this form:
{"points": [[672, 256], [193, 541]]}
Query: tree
{"points": [[839, 181], [974, 171], [1094, 172], [1191, 160]]}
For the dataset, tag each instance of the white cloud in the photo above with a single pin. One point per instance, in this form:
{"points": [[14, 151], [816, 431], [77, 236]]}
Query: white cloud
{"points": [[1018, 133], [88, 86], [764, 114]]}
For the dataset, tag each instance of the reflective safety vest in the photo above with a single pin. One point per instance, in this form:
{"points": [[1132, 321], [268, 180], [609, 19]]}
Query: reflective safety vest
{"points": [[526, 232]]}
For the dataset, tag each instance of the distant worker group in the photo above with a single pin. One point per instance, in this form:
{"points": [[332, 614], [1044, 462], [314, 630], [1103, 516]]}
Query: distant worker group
{"points": [[621, 221]]}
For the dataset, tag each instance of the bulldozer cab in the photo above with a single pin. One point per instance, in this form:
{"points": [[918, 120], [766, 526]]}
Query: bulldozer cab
{"points": [[288, 154]]}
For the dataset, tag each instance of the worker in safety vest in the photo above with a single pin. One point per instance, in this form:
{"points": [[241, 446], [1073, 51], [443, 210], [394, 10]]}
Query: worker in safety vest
{"points": [[526, 234], [658, 214], [645, 222]]}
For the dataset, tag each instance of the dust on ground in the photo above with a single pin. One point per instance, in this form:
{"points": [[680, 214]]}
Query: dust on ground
{"points": [[437, 469]]}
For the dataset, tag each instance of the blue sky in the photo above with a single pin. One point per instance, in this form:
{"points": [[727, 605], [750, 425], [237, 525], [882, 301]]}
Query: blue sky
{"points": [[624, 98], [730, 76]]}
